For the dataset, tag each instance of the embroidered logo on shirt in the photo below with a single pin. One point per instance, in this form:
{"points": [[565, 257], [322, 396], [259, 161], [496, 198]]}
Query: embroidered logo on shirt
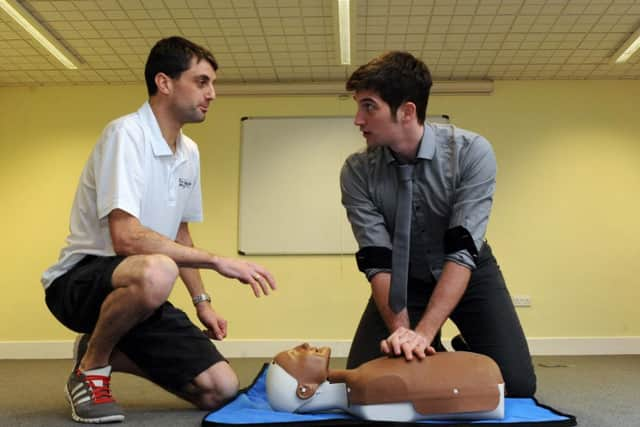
{"points": [[183, 183]]}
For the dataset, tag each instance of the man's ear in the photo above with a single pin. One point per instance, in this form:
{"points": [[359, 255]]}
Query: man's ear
{"points": [[164, 83], [407, 112]]}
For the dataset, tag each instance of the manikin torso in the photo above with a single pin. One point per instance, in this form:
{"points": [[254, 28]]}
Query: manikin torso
{"points": [[458, 385]]}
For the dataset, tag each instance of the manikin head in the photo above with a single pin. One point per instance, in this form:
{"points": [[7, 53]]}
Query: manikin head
{"points": [[295, 375]]}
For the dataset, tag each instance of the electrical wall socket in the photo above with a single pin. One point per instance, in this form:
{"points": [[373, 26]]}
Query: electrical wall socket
{"points": [[521, 300]]}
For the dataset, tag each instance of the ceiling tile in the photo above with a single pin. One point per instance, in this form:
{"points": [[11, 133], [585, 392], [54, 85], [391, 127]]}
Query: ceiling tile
{"points": [[255, 39]]}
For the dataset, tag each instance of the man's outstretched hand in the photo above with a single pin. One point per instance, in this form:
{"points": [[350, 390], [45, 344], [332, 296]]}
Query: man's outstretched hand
{"points": [[254, 275]]}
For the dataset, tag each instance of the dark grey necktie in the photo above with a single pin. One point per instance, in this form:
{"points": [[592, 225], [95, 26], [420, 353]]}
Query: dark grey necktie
{"points": [[401, 239]]}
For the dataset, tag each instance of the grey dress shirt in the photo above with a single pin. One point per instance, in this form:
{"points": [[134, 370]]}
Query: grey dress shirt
{"points": [[454, 182]]}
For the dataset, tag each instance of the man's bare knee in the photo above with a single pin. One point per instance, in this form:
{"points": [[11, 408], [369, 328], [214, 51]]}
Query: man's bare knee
{"points": [[216, 386], [158, 275], [151, 277]]}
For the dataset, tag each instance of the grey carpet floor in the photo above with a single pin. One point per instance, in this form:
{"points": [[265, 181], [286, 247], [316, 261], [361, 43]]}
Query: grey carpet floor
{"points": [[601, 391]]}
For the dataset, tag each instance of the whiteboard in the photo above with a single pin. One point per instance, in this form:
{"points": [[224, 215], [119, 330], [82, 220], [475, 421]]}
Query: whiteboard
{"points": [[289, 200]]}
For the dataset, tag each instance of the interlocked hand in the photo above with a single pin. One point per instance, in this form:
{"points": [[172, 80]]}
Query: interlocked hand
{"points": [[407, 342]]}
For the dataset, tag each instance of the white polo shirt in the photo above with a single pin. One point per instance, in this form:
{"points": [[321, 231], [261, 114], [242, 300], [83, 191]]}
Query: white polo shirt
{"points": [[131, 168]]}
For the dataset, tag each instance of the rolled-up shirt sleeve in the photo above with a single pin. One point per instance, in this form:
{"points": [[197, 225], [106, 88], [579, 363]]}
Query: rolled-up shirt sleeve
{"points": [[367, 222], [473, 195]]}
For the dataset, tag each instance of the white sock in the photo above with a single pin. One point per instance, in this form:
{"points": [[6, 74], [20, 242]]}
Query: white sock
{"points": [[104, 371]]}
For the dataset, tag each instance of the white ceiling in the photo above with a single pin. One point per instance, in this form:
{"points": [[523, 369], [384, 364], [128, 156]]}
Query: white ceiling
{"points": [[263, 41]]}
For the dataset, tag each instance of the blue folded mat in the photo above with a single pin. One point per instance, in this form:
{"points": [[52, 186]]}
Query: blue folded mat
{"points": [[251, 408]]}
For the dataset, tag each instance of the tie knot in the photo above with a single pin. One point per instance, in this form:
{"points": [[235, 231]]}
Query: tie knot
{"points": [[404, 171]]}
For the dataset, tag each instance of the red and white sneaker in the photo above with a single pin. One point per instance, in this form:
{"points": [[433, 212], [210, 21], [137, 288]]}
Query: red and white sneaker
{"points": [[90, 397]]}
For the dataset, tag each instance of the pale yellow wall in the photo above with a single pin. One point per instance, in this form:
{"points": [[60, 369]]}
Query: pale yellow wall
{"points": [[564, 227]]}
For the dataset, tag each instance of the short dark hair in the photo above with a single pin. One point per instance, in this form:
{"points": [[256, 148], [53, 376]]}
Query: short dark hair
{"points": [[397, 77], [172, 56]]}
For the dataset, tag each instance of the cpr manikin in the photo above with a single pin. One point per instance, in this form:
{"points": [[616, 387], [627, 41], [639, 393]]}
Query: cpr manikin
{"points": [[455, 385]]}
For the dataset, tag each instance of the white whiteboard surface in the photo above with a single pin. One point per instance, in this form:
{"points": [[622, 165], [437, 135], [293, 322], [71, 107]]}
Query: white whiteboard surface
{"points": [[290, 185]]}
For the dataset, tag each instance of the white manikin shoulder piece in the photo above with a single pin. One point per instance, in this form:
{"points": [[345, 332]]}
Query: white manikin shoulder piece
{"points": [[281, 393]]}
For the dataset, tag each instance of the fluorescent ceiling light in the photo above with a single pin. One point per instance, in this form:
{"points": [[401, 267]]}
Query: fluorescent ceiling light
{"points": [[345, 32], [628, 48], [33, 27]]}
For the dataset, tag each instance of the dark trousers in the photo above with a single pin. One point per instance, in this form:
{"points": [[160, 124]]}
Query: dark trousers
{"points": [[485, 316]]}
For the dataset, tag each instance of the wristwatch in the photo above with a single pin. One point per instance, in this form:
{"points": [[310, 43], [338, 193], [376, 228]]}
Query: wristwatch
{"points": [[200, 298]]}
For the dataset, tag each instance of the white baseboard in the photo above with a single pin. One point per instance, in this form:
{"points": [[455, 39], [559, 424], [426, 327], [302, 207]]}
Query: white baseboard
{"points": [[584, 346], [565, 346]]}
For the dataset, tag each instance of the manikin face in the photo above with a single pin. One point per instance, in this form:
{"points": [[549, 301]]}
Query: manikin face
{"points": [[301, 353], [378, 126], [193, 91]]}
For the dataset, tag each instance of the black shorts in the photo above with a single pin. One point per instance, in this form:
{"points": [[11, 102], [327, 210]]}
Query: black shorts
{"points": [[167, 346]]}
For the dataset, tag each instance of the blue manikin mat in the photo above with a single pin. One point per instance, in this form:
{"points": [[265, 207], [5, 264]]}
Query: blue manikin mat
{"points": [[251, 408]]}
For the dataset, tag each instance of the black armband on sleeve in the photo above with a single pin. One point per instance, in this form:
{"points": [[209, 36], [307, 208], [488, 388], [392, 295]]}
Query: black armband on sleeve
{"points": [[457, 239], [373, 257]]}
